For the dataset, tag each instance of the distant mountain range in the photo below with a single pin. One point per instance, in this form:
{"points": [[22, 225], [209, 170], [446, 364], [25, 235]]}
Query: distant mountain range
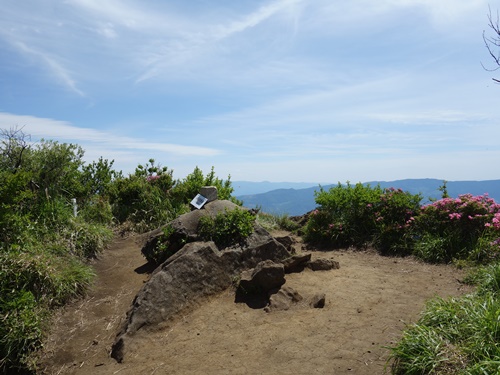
{"points": [[298, 198]]}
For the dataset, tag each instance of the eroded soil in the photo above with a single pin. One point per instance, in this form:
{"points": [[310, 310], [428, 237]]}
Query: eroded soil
{"points": [[369, 300]]}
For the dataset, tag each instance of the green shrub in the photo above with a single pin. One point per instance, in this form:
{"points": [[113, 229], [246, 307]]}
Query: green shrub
{"points": [[86, 240], [227, 228], [43, 247], [143, 199], [361, 215], [344, 216], [186, 189], [97, 209]]}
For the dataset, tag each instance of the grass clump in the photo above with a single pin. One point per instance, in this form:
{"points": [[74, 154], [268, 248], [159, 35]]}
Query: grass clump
{"points": [[272, 222], [459, 335]]}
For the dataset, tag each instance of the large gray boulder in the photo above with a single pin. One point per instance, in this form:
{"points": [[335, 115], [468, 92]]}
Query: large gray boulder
{"points": [[196, 271], [184, 230]]}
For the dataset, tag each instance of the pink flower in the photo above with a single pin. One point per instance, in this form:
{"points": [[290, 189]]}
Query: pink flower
{"points": [[152, 178]]}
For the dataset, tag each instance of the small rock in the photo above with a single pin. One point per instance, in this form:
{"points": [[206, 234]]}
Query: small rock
{"points": [[266, 276], [209, 192], [323, 264], [296, 263], [318, 301], [283, 299]]}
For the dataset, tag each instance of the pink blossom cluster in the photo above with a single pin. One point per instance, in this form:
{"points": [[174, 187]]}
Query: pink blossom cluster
{"points": [[152, 178], [468, 211], [466, 205], [495, 222]]}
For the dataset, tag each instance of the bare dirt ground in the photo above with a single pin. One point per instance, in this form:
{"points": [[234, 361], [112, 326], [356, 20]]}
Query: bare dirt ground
{"points": [[369, 300]]}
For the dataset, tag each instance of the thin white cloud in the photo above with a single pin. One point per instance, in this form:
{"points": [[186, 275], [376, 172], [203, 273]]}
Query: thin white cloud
{"points": [[253, 19], [64, 131], [56, 69]]}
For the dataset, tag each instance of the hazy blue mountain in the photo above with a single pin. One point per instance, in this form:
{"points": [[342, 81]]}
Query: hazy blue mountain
{"points": [[293, 201], [250, 188]]}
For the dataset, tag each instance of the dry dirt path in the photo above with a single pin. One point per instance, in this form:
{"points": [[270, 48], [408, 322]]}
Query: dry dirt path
{"points": [[368, 302]]}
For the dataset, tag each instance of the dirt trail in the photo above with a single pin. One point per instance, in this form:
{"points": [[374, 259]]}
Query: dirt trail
{"points": [[368, 302]]}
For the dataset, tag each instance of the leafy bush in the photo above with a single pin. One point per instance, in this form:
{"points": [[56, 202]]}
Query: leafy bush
{"points": [[142, 198], [360, 215], [185, 190], [227, 228]]}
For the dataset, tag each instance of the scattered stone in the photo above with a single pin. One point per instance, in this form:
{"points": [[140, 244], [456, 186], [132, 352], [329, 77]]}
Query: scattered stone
{"points": [[296, 263], [318, 301], [209, 192], [323, 264], [267, 276], [283, 299]]}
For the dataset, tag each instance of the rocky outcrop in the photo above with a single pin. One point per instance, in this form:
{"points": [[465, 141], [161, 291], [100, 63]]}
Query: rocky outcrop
{"points": [[182, 230], [197, 271]]}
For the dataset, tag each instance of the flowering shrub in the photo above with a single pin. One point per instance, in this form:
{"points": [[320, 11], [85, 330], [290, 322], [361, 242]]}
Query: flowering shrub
{"points": [[393, 222], [467, 227], [360, 215]]}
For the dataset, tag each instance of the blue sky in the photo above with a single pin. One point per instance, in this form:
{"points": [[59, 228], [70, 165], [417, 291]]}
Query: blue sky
{"points": [[277, 90]]}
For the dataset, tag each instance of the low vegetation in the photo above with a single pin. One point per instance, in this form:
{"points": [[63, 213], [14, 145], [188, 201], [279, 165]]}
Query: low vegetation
{"points": [[45, 245]]}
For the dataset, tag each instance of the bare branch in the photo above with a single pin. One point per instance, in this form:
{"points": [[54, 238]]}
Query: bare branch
{"points": [[492, 43], [15, 142]]}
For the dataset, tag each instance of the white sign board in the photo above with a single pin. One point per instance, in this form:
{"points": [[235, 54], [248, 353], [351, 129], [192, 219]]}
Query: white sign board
{"points": [[199, 201]]}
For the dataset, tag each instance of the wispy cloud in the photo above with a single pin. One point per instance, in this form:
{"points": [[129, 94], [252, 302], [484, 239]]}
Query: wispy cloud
{"points": [[56, 69], [61, 130]]}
